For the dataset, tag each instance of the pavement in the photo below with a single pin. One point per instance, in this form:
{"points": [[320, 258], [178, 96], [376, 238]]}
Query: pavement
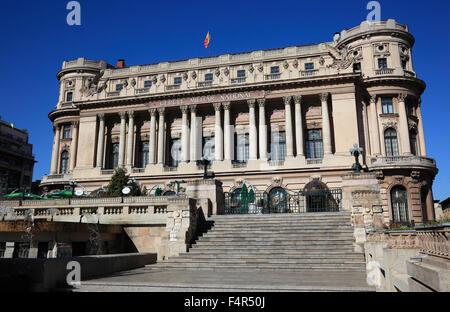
{"points": [[147, 280]]}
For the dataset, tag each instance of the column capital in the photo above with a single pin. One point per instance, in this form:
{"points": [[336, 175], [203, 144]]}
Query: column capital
{"points": [[75, 123], [217, 106], [298, 99], [324, 96], [401, 97], [101, 116], [373, 99], [122, 115], [161, 110], [287, 100], [130, 114], [251, 103], [152, 111], [184, 109], [226, 105], [193, 108], [261, 102]]}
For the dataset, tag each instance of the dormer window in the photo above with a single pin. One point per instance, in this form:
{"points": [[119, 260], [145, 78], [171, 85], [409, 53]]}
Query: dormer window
{"points": [[177, 80], [309, 66]]}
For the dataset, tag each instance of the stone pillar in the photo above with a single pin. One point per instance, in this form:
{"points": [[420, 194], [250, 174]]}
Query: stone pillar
{"points": [[100, 140], [218, 135], [161, 136], [130, 140], [193, 147], [368, 150], [430, 205], [403, 125], [375, 131], [9, 250], [423, 147], [227, 131], [299, 125], [253, 132], [122, 138], [73, 145], [326, 129], [55, 152], [262, 130], [152, 139], [288, 125], [184, 134]]}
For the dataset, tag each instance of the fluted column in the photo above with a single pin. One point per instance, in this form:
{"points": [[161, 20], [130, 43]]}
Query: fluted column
{"points": [[130, 140], [161, 136], [375, 131], [403, 125], [122, 138], [262, 130], [298, 125], [253, 132], [423, 147], [326, 129], [193, 146], [227, 131], [152, 139], [73, 145], [184, 134], [288, 125], [55, 152], [218, 133], [100, 140]]}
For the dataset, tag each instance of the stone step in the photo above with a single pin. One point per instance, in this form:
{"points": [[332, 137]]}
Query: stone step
{"points": [[276, 262], [276, 239], [306, 215], [243, 268], [255, 255], [279, 228], [283, 221], [275, 242], [299, 235], [271, 252], [252, 248]]}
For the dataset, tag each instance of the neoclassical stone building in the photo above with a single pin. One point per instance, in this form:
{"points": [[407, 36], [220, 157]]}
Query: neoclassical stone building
{"points": [[279, 121]]}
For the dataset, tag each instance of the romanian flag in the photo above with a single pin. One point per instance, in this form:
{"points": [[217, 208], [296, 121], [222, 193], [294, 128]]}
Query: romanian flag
{"points": [[207, 40]]}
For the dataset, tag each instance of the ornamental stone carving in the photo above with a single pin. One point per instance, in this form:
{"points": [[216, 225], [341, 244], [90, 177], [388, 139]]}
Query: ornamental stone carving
{"points": [[324, 97], [286, 65], [342, 58], [217, 72], [321, 61], [154, 79], [251, 103], [251, 69], [185, 76], [297, 99], [93, 86], [287, 100], [184, 109], [277, 181], [125, 83], [390, 124], [217, 106], [153, 111], [260, 68], [401, 97], [226, 105], [133, 82], [162, 78], [194, 75], [261, 102], [295, 64], [226, 71]]}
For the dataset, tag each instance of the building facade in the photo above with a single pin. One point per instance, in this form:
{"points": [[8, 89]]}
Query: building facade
{"points": [[279, 121], [16, 159]]}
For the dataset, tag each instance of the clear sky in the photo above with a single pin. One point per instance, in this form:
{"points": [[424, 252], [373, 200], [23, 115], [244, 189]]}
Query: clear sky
{"points": [[35, 40]]}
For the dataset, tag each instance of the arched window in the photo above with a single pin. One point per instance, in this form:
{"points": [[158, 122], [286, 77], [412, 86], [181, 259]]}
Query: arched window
{"points": [[64, 162], [314, 145], [175, 153], [399, 201], [144, 153], [278, 146], [413, 142], [390, 142], [115, 154]]}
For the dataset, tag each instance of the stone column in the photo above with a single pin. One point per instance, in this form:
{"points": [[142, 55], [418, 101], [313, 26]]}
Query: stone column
{"points": [[184, 134], [253, 132], [122, 138], [55, 152], [298, 125], [326, 132], [423, 147], [73, 145], [218, 135], [403, 125], [368, 150], [262, 130], [161, 136], [152, 139], [227, 131], [288, 125], [130, 140], [430, 205], [100, 140], [375, 131], [193, 146]]}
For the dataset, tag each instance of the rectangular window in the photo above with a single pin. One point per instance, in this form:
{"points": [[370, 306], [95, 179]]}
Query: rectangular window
{"points": [[119, 87], [314, 144], [242, 148], [241, 73], [69, 96], [177, 80], [275, 69], [309, 66], [357, 67], [208, 77], [404, 63], [382, 63], [278, 146], [147, 83], [387, 106], [66, 132]]}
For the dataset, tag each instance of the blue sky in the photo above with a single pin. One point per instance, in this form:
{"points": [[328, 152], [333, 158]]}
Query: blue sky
{"points": [[35, 40]]}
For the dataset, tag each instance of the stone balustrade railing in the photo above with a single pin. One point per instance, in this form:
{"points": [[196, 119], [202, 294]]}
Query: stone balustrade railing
{"points": [[403, 161], [434, 240]]}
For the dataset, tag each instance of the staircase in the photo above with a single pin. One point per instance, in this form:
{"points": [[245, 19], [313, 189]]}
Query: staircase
{"points": [[275, 242]]}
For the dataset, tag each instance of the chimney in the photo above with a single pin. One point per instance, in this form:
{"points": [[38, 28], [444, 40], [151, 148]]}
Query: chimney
{"points": [[120, 64]]}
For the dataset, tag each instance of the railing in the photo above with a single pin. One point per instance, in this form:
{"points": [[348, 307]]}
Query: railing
{"points": [[142, 90], [204, 84], [169, 168], [403, 161], [138, 170], [173, 87], [238, 80], [107, 171], [239, 164], [112, 94], [309, 73], [384, 71], [409, 73], [272, 76], [314, 161], [434, 240]]}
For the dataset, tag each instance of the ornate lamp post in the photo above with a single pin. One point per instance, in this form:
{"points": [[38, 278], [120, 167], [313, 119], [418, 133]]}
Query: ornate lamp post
{"points": [[205, 163], [73, 185], [356, 151]]}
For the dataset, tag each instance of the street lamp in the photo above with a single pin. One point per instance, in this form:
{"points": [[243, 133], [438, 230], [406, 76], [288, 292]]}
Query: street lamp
{"points": [[356, 151]]}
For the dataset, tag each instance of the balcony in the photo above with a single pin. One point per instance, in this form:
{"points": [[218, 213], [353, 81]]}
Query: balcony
{"points": [[142, 90], [272, 76], [309, 73], [56, 178], [173, 87], [314, 161], [107, 171], [204, 84], [403, 161], [113, 94], [238, 80], [384, 71], [169, 168], [239, 164]]}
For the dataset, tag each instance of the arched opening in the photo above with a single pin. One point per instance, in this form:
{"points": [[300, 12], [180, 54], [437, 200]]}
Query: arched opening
{"points": [[64, 168], [391, 142], [399, 202], [319, 198], [278, 201], [423, 202]]}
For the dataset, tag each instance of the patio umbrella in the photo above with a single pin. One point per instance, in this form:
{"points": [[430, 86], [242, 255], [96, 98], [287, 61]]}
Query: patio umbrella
{"points": [[60, 194], [158, 192], [19, 195]]}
